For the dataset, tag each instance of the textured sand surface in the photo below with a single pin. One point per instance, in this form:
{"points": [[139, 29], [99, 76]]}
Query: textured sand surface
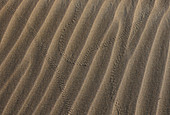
{"points": [[84, 57]]}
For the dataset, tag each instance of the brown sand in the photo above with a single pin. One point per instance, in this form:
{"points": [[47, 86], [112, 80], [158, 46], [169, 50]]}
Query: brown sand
{"points": [[84, 57]]}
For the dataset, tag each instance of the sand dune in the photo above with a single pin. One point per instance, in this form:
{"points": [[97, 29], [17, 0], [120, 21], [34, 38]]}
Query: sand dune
{"points": [[84, 57]]}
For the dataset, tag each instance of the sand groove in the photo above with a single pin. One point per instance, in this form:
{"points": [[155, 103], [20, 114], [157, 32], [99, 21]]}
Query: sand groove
{"points": [[84, 57]]}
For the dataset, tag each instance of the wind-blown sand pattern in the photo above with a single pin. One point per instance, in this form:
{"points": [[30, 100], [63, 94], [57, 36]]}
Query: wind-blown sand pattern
{"points": [[85, 57]]}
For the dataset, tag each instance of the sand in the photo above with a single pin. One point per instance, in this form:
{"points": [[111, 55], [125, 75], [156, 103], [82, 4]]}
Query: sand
{"points": [[84, 57]]}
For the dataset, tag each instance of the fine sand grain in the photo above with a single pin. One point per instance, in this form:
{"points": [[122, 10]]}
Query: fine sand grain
{"points": [[85, 57]]}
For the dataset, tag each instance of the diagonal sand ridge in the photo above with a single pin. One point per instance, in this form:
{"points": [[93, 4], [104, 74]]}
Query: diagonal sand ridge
{"points": [[84, 57]]}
